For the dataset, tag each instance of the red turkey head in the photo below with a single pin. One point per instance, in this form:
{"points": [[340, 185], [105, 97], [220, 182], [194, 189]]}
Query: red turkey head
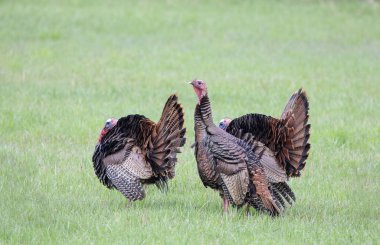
{"points": [[223, 124], [200, 89], [110, 123]]}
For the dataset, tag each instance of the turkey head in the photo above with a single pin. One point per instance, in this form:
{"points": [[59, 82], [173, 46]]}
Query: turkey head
{"points": [[110, 123], [200, 89]]}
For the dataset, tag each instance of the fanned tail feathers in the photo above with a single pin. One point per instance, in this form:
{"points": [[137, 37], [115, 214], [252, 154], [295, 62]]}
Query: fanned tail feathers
{"points": [[166, 141], [295, 118]]}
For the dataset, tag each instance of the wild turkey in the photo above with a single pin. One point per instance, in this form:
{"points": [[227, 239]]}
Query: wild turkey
{"points": [[134, 151], [231, 165], [287, 138]]}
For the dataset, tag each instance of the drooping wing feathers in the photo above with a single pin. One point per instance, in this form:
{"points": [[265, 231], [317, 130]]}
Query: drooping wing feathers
{"points": [[235, 186], [137, 165], [125, 182], [167, 139], [126, 176], [286, 137], [231, 164]]}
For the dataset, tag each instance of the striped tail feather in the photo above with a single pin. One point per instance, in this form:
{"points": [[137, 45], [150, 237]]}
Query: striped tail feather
{"points": [[167, 138], [296, 148]]}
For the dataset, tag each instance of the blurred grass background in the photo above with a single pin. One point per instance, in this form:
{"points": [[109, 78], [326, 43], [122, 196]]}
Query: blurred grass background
{"points": [[65, 67]]}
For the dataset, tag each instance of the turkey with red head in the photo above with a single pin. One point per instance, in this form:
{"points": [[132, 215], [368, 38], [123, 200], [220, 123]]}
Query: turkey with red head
{"points": [[133, 150], [231, 165], [286, 137]]}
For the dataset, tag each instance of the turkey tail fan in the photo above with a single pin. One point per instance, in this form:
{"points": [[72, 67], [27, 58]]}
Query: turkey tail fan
{"points": [[282, 191], [166, 141], [295, 118]]}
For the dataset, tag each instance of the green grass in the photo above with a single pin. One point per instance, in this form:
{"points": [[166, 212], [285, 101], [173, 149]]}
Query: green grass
{"points": [[66, 67]]}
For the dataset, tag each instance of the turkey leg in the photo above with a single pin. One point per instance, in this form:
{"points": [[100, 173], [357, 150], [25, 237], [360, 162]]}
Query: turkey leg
{"points": [[128, 204], [225, 205]]}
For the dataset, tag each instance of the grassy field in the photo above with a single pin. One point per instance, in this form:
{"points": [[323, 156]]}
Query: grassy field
{"points": [[66, 67]]}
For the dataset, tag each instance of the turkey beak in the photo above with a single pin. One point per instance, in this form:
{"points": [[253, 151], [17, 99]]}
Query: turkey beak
{"points": [[192, 83]]}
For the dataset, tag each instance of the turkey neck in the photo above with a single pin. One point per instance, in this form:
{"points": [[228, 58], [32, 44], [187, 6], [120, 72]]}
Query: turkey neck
{"points": [[203, 119], [205, 110]]}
